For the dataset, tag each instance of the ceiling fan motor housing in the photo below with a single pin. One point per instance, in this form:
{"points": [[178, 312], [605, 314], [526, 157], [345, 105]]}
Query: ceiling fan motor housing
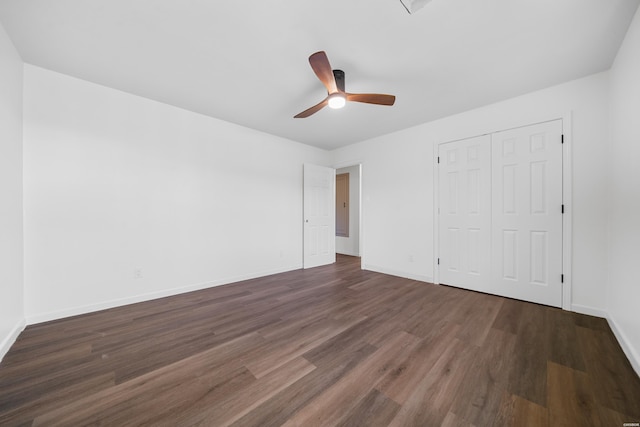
{"points": [[339, 76]]}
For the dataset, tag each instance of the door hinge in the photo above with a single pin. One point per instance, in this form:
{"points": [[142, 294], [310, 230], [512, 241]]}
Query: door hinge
{"points": [[562, 278], [562, 209], [438, 261], [438, 159], [562, 139]]}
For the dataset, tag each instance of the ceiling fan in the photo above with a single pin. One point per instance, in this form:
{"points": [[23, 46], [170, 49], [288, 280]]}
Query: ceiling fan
{"points": [[333, 80]]}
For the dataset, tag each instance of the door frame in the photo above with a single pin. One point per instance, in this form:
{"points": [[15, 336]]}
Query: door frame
{"points": [[567, 195], [347, 164]]}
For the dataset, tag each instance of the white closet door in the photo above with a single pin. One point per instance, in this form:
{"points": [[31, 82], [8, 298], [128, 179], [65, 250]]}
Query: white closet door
{"points": [[465, 212], [527, 215]]}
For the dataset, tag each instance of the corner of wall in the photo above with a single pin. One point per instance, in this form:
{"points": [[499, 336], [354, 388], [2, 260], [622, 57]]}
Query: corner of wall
{"points": [[12, 319], [11, 338], [622, 250], [627, 346]]}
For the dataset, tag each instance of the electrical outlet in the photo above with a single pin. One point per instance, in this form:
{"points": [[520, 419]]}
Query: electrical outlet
{"points": [[137, 273], [410, 258]]}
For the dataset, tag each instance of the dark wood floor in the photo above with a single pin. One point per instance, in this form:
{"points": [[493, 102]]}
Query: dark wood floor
{"points": [[331, 346]]}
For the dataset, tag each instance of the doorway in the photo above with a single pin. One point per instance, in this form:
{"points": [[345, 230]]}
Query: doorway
{"points": [[348, 210], [342, 205]]}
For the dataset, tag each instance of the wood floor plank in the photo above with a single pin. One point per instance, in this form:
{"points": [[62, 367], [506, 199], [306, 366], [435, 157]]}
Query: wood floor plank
{"points": [[453, 420], [528, 369], [432, 398], [389, 324], [278, 352], [152, 408], [401, 382], [479, 318], [610, 417], [618, 388], [20, 393], [196, 375], [33, 407], [281, 407], [570, 397], [111, 407], [343, 344], [515, 412], [332, 345], [479, 400], [508, 318], [229, 408], [564, 340], [334, 404], [375, 410]]}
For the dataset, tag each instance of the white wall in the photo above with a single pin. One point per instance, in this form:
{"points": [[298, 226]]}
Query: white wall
{"points": [[623, 284], [398, 183], [11, 266], [117, 184], [396, 203], [351, 245]]}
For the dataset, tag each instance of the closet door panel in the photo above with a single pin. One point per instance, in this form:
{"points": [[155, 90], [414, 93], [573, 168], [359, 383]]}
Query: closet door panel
{"points": [[465, 212], [527, 215]]}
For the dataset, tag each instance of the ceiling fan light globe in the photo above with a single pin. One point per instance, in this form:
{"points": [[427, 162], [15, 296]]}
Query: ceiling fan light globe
{"points": [[337, 101]]}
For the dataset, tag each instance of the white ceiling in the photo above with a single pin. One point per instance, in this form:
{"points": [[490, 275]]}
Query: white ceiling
{"points": [[246, 61]]}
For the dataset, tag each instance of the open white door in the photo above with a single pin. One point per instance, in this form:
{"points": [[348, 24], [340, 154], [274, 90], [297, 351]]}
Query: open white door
{"points": [[319, 216]]}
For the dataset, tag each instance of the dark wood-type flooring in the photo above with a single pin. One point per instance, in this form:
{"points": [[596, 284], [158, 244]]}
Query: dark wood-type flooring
{"points": [[334, 346]]}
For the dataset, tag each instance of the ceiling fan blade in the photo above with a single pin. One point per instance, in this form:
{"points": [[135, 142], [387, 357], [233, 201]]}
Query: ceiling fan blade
{"points": [[320, 65], [309, 111], [372, 98]]}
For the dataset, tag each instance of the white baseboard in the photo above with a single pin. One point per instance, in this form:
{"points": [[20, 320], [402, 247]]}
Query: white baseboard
{"points": [[391, 272], [632, 353], [89, 308], [591, 311], [8, 341]]}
